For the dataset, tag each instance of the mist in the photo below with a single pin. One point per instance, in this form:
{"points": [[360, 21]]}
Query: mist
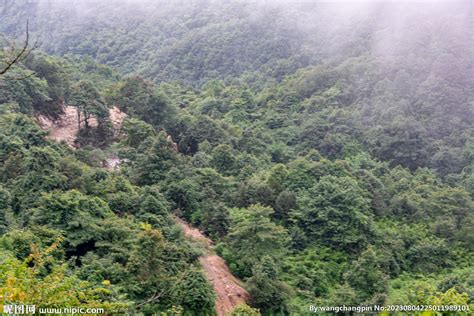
{"points": [[215, 157]]}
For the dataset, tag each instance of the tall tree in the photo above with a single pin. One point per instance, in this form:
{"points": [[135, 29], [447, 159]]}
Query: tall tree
{"points": [[88, 101], [336, 212], [253, 235]]}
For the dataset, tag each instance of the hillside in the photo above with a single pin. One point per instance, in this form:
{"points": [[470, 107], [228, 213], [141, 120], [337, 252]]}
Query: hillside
{"points": [[326, 150], [228, 288], [368, 61], [66, 126]]}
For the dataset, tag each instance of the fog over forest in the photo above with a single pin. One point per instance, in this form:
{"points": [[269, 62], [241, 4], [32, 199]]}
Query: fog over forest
{"points": [[236, 157]]}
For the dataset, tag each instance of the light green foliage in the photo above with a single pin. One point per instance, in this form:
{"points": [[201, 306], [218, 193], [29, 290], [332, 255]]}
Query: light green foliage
{"points": [[426, 293], [194, 293], [137, 131], [343, 294], [315, 271], [252, 235], [450, 297], [244, 310], [42, 281], [367, 277], [266, 291]]}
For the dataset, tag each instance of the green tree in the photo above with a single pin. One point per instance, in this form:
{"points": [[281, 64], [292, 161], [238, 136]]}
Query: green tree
{"points": [[223, 159], [450, 297], [336, 212], [252, 235], [78, 215], [199, 129], [277, 178], [43, 281], [194, 293], [27, 94], [254, 191], [158, 275], [156, 156], [343, 295], [6, 215], [88, 101], [403, 142], [137, 96], [53, 71], [215, 220], [266, 291], [366, 276], [244, 310], [137, 131], [285, 203], [185, 197]]}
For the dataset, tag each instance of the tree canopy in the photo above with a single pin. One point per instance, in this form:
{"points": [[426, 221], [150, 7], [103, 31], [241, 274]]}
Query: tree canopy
{"points": [[327, 149]]}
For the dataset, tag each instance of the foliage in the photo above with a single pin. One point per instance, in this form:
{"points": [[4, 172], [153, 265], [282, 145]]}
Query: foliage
{"points": [[266, 291], [253, 236], [194, 293], [39, 280], [327, 150], [336, 213], [88, 101], [366, 276], [244, 310]]}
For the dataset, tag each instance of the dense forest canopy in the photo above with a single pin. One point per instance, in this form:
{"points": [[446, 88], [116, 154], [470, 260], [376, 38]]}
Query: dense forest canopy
{"points": [[327, 148]]}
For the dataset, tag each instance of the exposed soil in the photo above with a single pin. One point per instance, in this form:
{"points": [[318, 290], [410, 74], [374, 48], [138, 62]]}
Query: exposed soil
{"points": [[193, 233], [66, 127], [228, 288], [112, 163], [117, 117], [63, 129]]}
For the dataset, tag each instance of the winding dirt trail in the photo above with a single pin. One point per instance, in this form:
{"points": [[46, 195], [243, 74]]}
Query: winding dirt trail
{"points": [[228, 288]]}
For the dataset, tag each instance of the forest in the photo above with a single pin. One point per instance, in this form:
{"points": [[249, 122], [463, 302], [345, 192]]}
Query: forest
{"points": [[325, 149]]}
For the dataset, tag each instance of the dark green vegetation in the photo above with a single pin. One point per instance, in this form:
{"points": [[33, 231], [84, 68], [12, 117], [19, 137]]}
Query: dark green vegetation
{"points": [[328, 151]]}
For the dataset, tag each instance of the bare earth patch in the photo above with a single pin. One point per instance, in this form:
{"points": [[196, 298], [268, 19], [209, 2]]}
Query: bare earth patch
{"points": [[65, 128], [117, 117], [228, 288]]}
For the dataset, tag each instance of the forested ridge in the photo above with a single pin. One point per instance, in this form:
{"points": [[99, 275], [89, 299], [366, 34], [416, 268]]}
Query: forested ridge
{"points": [[326, 149]]}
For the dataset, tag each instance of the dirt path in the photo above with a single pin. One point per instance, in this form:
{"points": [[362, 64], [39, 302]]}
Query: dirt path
{"points": [[228, 288]]}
